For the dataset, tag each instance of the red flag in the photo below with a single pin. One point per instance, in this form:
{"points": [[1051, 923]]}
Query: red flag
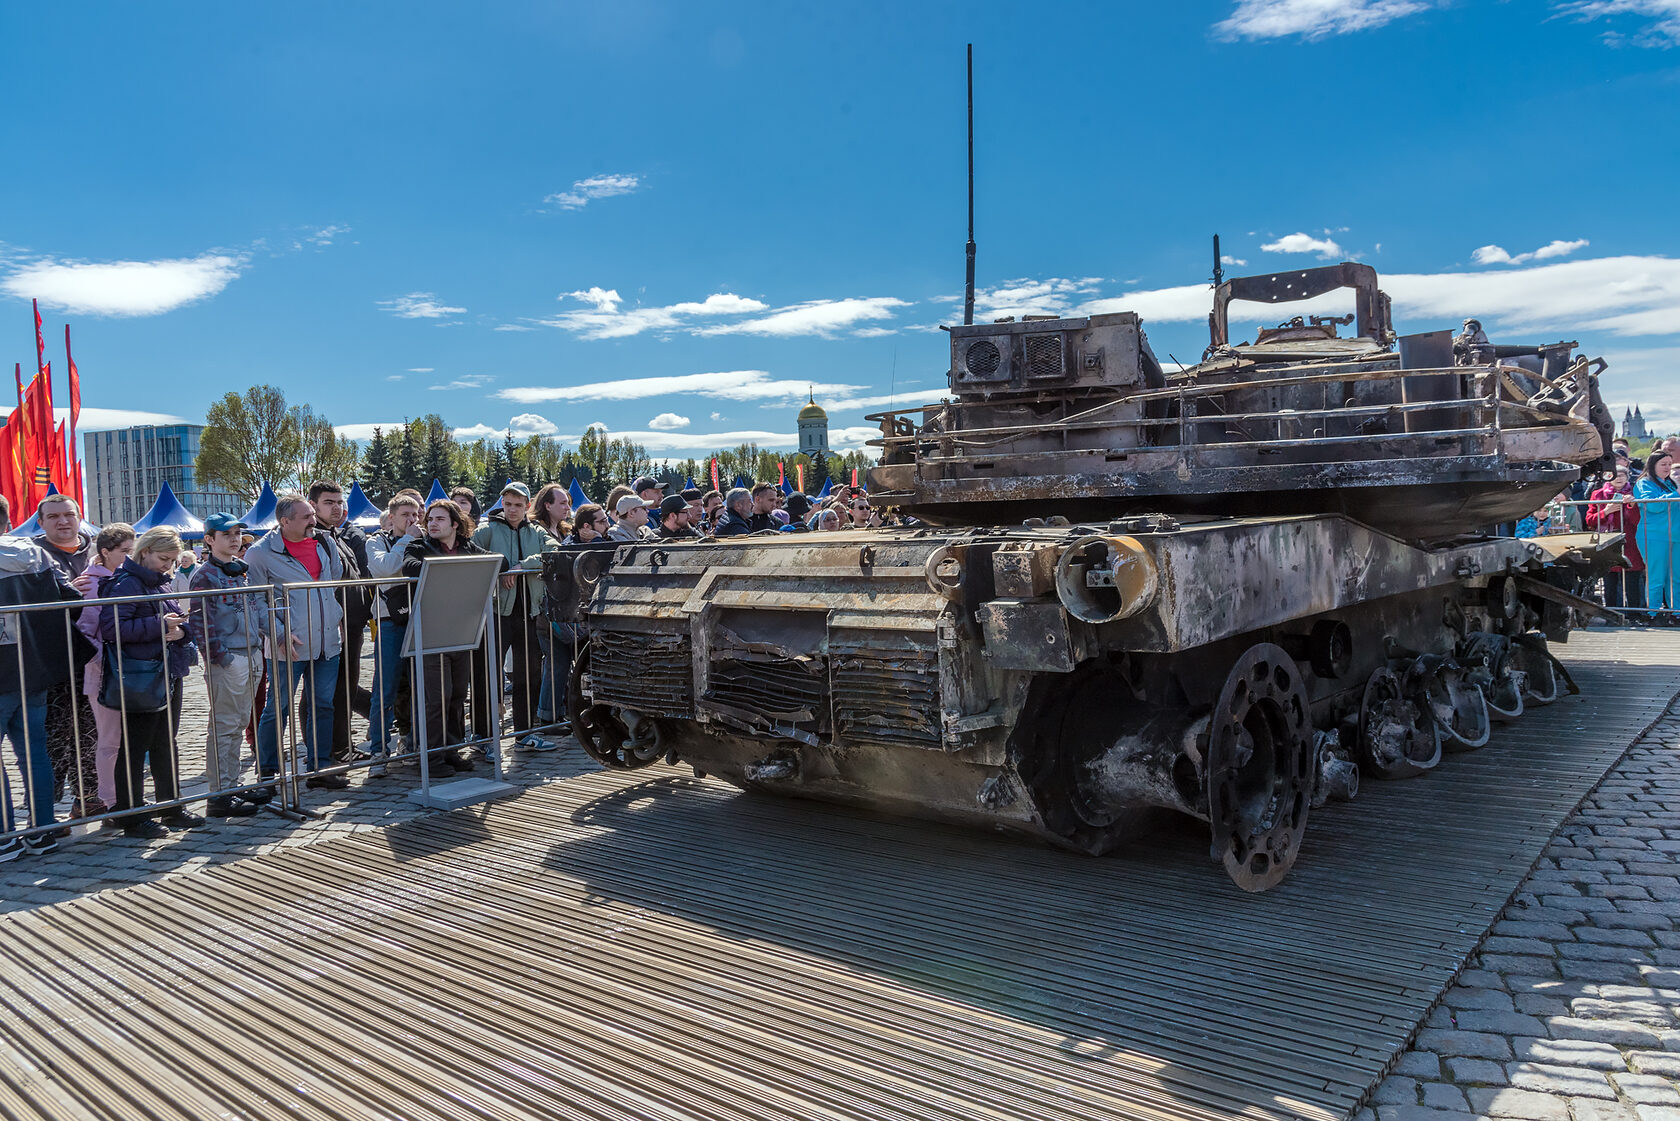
{"points": [[781, 474], [40, 340], [9, 466], [854, 476], [75, 388], [34, 450], [18, 424], [715, 485], [60, 468], [799, 473]]}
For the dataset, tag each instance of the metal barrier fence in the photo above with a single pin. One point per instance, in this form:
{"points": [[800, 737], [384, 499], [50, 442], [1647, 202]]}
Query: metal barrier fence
{"points": [[1652, 592], [272, 694]]}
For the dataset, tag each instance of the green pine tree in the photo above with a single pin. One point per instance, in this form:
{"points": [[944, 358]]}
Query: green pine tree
{"points": [[379, 469]]}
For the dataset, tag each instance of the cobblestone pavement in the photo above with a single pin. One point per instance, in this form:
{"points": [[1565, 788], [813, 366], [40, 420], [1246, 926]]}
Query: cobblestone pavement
{"points": [[1571, 1011]]}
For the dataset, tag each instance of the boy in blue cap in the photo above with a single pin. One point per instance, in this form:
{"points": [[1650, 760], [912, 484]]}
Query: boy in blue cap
{"points": [[225, 628]]}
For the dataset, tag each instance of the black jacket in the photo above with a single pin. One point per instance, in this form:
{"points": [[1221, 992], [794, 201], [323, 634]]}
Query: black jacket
{"points": [[29, 575], [414, 557], [732, 525], [352, 550]]}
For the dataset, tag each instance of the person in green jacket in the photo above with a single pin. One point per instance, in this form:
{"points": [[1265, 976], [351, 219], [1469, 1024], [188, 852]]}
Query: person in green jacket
{"points": [[517, 539]]}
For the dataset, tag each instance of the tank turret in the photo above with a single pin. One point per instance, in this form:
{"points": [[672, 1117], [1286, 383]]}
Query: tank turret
{"points": [[1428, 435]]}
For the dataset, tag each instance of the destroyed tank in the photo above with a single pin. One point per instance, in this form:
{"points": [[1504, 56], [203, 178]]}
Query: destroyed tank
{"points": [[1225, 591]]}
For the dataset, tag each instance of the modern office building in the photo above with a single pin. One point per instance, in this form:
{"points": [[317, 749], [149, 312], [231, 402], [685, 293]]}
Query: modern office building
{"points": [[124, 468]]}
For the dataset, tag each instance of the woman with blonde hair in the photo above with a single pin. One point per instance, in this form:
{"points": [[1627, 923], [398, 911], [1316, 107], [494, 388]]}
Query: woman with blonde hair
{"points": [[145, 656]]}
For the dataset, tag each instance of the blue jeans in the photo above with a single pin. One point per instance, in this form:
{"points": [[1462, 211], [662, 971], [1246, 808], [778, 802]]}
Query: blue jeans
{"points": [[320, 682], [25, 717], [387, 676]]}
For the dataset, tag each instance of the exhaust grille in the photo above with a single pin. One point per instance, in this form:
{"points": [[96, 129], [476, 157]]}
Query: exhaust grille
{"points": [[982, 358], [886, 696], [1044, 356], [651, 673], [780, 690]]}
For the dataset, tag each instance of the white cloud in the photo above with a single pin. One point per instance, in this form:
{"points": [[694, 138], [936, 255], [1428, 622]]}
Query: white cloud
{"points": [[476, 432], [393, 377], [815, 317], [1229, 260], [1325, 247], [419, 305], [364, 431], [873, 332], [1631, 296], [512, 327], [668, 422], [420, 369], [717, 416], [127, 288], [324, 236], [530, 424], [607, 318], [911, 397], [466, 381], [1494, 255], [1052, 296], [1181, 304], [1663, 29], [731, 384], [585, 191], [1311, 19]]}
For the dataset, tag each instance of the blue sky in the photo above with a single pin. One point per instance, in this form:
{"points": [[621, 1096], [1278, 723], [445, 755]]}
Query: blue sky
{"points": [[671, 217]]}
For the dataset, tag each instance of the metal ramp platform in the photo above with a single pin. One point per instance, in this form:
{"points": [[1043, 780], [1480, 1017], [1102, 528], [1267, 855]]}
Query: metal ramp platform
{"points": [[651, 946]]}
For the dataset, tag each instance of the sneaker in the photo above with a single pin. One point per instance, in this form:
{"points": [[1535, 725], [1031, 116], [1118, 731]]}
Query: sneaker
{"points": [[225, 805], [327, 782], [261, 796], [144, 827], [181, 819], [40, 844], [538, 743], [10, 849]]}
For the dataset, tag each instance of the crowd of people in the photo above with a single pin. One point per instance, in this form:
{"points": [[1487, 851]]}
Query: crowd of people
{"points": [[279, 624], [1633, 499]]}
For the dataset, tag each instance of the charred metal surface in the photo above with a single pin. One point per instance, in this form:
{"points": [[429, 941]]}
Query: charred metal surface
{"points": [[1268, 579], [1441, 436]]}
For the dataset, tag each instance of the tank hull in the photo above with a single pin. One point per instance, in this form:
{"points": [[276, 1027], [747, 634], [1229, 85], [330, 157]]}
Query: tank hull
{"points": [[1072, 684]]}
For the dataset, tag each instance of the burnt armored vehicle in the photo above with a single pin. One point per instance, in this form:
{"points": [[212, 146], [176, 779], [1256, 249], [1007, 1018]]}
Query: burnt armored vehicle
{"points": [[1224, 591]]}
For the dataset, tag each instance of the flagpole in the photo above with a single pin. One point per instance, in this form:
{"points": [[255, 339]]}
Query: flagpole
{"points": [[75, 382], [40, 339]]}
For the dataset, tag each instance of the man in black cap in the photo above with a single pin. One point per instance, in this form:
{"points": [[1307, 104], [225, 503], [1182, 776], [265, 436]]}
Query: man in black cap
{"points": [[799, 510], [673, 520], [648, 489]]}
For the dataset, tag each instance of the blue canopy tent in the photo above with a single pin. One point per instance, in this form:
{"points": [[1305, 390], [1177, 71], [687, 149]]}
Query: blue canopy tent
{"points": [[743, 482], [828, 488], [33, 526], [363, 513], [688, 483], [259, 519], [576, 491], [168, 511], [436, 492]]}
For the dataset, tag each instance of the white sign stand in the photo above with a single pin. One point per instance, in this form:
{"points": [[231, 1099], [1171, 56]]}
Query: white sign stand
{"points": [[450, 613]]}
